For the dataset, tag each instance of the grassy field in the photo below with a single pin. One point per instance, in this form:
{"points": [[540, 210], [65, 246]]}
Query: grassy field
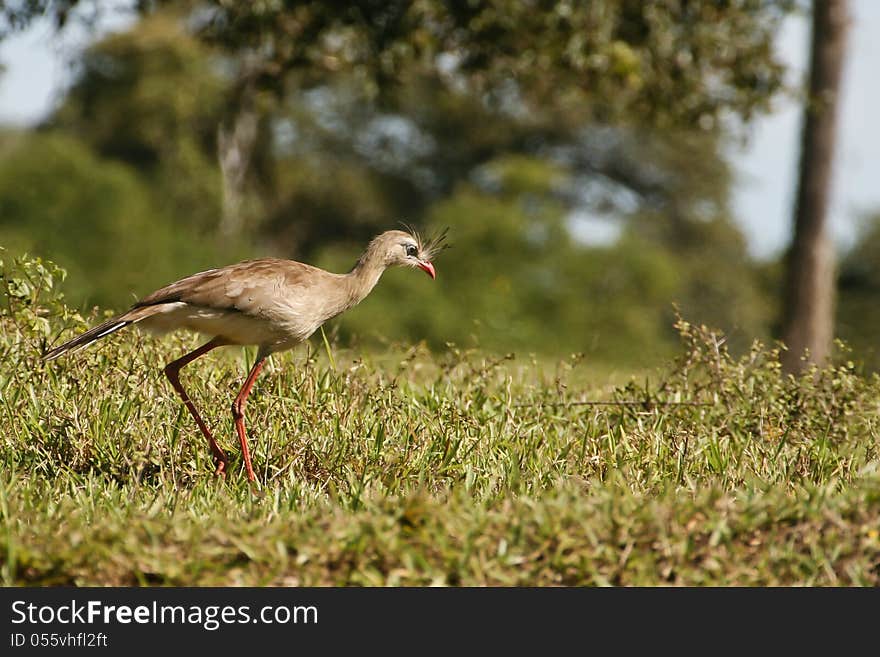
{"points": [[413, 468]]}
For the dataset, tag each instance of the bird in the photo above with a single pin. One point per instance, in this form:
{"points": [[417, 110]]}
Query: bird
{"points": [[271, 303]]}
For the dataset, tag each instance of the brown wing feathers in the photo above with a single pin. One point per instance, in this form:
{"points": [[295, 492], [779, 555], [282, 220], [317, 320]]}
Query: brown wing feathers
{"points": [[229, 288], [179, 290]]}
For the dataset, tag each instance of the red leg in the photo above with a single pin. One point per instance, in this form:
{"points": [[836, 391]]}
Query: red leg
{"points": [[238, 413], [172, 371]]}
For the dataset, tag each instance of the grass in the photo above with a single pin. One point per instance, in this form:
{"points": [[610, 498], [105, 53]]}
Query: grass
{"points": [[413, 468]]}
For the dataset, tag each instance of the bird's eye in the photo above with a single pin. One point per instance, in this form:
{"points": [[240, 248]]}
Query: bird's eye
{"points": [[411, 250]]}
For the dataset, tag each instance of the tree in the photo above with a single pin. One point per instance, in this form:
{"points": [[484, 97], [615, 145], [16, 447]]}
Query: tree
{"points": [[675, 63], [808, 320], [150, 97]]}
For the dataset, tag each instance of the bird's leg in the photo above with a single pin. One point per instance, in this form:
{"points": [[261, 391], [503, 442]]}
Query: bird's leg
{"points": [[238, 413], [172, 371]]}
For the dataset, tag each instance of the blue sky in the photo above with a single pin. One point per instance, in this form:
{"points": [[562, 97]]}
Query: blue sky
{"points": [[37, 72]]}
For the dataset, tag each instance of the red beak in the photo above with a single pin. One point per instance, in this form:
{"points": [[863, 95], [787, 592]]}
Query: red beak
{"points": [[428, 268]]}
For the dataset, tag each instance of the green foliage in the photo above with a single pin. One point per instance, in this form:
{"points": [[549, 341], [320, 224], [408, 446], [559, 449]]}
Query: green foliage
{"points": [[674, 62], [30, 293], [95, 217], [319, 199], [516, 280], [18, 15], [152, 98], [858, 311], [454, 468], [717, 283]]}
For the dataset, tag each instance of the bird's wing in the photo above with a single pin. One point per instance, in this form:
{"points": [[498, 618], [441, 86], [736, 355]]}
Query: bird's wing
{"points": [[248, 287]]}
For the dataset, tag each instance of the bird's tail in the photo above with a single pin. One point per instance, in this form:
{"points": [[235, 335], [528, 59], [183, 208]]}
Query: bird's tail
{"points": [[100, 331]]}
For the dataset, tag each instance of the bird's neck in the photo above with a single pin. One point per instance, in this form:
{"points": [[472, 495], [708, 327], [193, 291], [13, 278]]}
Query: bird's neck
{"points": [[365, 274]]}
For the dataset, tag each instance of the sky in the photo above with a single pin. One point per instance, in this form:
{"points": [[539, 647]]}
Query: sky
{"points": [[37, 72]]}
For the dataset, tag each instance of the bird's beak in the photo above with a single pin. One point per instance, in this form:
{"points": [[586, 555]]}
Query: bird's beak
{"points": [[428, 268]]}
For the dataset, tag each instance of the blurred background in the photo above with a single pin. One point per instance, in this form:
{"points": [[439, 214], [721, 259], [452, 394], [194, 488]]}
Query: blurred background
{"points": [[599, 164]]}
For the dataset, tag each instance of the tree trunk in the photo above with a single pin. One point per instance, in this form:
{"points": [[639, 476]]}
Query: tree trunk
{"points": [[235, 146], [808, 320], [237, 137]]}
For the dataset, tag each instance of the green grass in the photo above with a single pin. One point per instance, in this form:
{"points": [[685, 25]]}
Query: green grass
{"points": [[413, 468]]}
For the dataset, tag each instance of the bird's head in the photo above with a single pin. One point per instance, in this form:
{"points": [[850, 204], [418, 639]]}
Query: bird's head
{"points": [[408, 249]]}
